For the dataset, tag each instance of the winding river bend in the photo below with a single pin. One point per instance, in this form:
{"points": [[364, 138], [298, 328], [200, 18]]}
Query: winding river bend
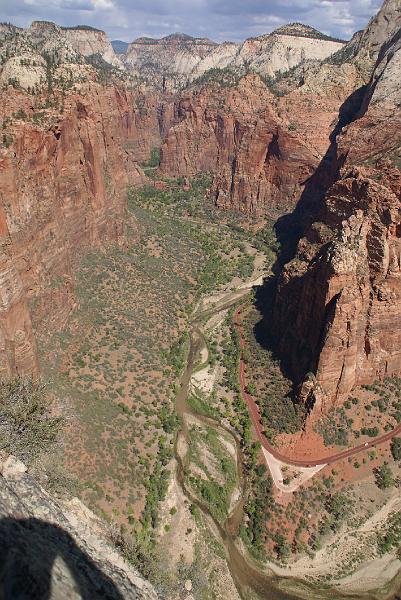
{"points": [[248, 577]]}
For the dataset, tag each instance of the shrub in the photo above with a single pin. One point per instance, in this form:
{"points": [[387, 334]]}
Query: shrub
{"points": [[370, 431], [27, 428]]}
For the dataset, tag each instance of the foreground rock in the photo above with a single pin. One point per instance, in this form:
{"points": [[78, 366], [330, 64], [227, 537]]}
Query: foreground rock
{"points": [[56, 550]]}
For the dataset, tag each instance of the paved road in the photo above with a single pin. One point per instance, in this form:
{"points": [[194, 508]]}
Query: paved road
{"points": [[310, 462]]}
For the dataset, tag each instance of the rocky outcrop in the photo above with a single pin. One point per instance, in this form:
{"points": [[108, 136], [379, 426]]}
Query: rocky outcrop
{"points": [[381, 28], [87, 41], [56, 549], [284, 49], [268, 172], [167, 64], [337, 310], [261, 147], [84, 40]]}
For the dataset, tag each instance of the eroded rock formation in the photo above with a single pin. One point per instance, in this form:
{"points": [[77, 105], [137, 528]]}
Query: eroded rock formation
{"points": [[176, 60], [63, 185], [238, 134], [337, 311]]}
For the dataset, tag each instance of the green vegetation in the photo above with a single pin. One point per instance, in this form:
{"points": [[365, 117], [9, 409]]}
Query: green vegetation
{"points": [[272, 390], [259, 508], [219, 476], [154, 160], [339, 507], [116, 372], [388, 397], [224, 247], [231, 355], [370, 431], [334, 428], [156, 486], [202, 405], [392, 538], [115, 367], [105, 71], [177, 355], [396, 448], [303, 31], [227, 77], [82, 28], [27, 427], [7, 140], [375, 406], [384, 477]]}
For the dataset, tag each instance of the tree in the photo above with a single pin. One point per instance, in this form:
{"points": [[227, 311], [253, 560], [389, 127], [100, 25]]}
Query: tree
{"points": [[396, 448], [282, 548], [384, 477]]}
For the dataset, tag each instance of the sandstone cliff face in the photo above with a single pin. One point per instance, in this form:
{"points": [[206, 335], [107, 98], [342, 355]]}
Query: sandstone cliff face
{"points": [[54, 549], [90, 41], [237, 133], [262, 148], [268, 171], [337, 311], [85, 41], [63, 187], [381, 28]]}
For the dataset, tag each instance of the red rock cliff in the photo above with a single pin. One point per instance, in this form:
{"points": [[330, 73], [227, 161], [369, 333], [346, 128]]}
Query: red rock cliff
{"points": [[63, 187], [237, 133], [338, 306]]}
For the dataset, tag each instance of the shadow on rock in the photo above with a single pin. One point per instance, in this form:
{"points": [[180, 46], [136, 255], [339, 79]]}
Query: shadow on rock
{"points": [[29, 549]]}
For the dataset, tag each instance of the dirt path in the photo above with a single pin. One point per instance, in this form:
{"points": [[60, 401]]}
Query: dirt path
{"points": [[255, 416]]}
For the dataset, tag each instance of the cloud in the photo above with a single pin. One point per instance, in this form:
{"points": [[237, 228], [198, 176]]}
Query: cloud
{"points": [[218, 19]]}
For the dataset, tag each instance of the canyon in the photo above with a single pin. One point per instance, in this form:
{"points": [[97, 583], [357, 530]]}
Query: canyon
{"points": [[137, 183]]}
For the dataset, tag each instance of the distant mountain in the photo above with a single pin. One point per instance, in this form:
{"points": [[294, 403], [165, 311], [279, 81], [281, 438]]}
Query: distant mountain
{"points": [[119, 46], [174, 61]]}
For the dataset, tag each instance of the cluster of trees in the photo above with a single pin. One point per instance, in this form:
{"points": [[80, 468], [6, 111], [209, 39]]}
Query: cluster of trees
{"points": [[154, 159], [258, 508], [384, 477], [392, 538], [178, 351], [396, 448], [226, 77]]}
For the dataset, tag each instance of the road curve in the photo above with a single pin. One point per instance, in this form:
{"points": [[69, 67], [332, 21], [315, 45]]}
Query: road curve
{"points": [[255, 416]]}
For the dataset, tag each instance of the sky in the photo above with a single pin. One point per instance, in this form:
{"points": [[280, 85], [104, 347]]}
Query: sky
{"points": [[219, 20]]}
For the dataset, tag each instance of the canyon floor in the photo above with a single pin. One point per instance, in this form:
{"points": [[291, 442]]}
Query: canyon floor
{"points": [[117, 367]]}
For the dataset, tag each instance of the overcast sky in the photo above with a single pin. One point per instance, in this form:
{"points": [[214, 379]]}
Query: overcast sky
{"points": [[218, 19]]}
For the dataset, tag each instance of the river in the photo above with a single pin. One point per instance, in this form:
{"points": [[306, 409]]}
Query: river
{"points": [[248, 577]]}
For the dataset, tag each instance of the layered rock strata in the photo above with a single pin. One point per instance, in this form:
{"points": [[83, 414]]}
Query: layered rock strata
{"points": [[337, 311], [63, 185]]}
